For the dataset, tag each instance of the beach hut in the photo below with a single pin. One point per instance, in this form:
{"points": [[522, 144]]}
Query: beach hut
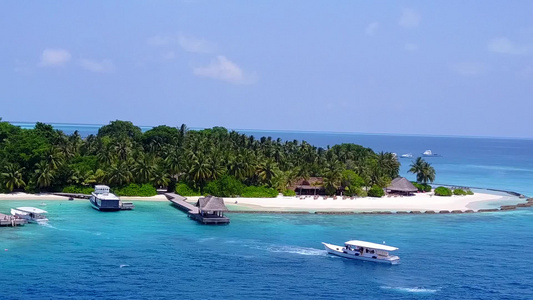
{"points": [[401, 185], [211, 206], [310, 186]]}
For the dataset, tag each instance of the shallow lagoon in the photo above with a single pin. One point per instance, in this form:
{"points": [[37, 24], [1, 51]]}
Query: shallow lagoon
{"points": [[155, 251]]}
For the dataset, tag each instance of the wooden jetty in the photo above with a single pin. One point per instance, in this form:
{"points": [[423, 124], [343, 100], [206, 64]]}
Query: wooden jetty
{"points": [[7, 220], [208, 210], [73, 195]]}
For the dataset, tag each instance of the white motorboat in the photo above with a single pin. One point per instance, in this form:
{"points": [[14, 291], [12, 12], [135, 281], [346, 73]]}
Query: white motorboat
{"points": [[362, 250], [429, 153], [31, 214], [406, 155]]}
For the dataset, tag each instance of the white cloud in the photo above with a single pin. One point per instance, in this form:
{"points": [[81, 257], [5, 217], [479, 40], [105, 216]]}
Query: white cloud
{"points": [[54, 57], [224, 69], [505, 46], [410, 18], [195, 45], [160, 40], [371, 28], [469, 68], [187, 43], [97, 66], [410, 47]]}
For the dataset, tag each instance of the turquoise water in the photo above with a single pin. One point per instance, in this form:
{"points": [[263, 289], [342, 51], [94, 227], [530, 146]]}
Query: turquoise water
{"points": [[156, 252]]}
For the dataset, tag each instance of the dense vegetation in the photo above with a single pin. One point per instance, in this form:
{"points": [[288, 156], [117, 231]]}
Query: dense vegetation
{"points": [[217, 161], [443, 191], [422, 187]]}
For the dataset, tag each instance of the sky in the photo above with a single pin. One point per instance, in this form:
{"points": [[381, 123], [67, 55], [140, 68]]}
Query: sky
{"points": [[452, 67]]}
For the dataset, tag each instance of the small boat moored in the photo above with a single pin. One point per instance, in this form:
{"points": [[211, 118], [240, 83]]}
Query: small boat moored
{"points": [[103, 200], [362, 250], [31, 214], [406, 155]]}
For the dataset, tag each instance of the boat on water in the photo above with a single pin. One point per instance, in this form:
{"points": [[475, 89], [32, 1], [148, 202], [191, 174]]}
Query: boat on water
{"points": [[366, 251], [429, 153], [31, 214], [406, 155], [103, 200]]}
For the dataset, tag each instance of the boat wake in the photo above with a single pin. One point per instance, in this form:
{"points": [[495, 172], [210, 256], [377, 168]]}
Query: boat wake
{"points": [[45, 224], [410, 290], [123, 266], [297, 250]]}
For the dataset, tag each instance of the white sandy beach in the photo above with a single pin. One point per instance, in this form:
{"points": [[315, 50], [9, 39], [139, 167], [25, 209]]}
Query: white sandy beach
{"points": [[420, 202]]}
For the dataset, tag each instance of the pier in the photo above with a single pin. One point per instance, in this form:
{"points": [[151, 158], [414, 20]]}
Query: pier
{"points": [[208, 210], [8, 220]]}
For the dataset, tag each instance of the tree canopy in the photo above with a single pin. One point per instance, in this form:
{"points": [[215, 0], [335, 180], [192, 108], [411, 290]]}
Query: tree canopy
{"points": [[44, 159]]}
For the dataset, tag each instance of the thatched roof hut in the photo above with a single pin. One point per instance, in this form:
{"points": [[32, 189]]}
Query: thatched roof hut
{"points": [[211, 204], [402, 185], [312, 185]]}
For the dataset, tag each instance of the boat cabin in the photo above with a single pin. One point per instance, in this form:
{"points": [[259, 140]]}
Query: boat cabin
{"points": [[102, 199], [367, 249]]}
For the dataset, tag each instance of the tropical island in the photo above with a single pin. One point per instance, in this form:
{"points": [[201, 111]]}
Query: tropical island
{"points": [[206, 162]]}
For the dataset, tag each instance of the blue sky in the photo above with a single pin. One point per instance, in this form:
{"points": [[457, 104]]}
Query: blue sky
{"points": [[409, 67]]}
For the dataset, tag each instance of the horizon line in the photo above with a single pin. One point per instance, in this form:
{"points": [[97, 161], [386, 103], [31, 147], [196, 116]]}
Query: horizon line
{"points": [[300, 131]]}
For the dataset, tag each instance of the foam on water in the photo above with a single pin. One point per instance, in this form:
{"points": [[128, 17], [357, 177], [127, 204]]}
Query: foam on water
{"points": [[296, 250], [410, 289]]}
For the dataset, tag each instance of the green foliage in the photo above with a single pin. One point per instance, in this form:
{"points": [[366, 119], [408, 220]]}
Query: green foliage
{"points": [[469, 192], [78, 189], [184, 190], [459, 192], [443, 191], [226, 186], [45, 159], [289, 193], [422, 187], [424, 171], [362, 193], [145, 190], [259, 192], [376, 191]]}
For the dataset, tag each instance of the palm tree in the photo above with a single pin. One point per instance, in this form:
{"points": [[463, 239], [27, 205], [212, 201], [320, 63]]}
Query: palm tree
{"points": [[12, 177], [44, 174], [423, 170], [267, 170], [120, 174], [54, 158], [144, 168], [200, 170]]}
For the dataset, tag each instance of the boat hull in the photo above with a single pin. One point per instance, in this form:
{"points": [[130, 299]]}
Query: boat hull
{"points": [[103, 208], [338, 250]]}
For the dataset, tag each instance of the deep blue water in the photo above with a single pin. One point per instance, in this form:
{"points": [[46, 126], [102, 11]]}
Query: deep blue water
{"points": [[156, 252]]}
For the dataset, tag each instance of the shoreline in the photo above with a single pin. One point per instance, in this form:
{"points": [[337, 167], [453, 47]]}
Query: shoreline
{"points": [[419, 203]]}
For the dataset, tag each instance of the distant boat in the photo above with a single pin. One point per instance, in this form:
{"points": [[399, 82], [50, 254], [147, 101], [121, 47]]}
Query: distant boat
{"points": [[362, 250], [429, 153], [31, 214], [406, 155]]}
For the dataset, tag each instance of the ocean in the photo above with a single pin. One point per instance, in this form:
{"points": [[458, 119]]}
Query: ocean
{"points": [[156, 252]]}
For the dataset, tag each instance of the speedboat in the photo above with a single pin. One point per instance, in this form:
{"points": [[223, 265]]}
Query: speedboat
{"points": [[31, 214], [429, 153], [362, 250], [406, 155]]}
